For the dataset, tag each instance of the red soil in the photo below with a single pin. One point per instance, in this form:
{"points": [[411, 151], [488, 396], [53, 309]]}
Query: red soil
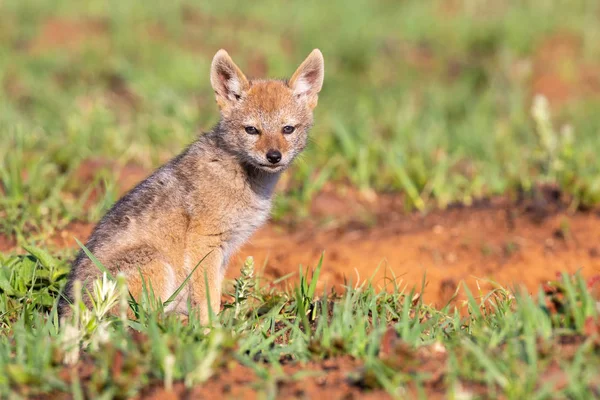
{"points": [[511, 244], [326, 378], [505, 244], [562, 73], [67, 34], [497, 240]]}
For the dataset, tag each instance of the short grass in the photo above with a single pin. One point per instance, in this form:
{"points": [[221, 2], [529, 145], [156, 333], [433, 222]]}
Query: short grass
{"points": [[433, 100], [428, 98], [507, 345]]}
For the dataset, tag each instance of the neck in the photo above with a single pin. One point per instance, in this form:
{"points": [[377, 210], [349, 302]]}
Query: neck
{"points": [[261, 182]]}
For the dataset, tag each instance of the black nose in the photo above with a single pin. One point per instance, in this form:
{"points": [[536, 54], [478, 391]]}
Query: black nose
{"points": [[274, 156]]}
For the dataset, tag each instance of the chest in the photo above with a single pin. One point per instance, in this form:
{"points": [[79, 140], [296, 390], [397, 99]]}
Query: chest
{"points": [[233, 207], [227, 223], [241, 224]]}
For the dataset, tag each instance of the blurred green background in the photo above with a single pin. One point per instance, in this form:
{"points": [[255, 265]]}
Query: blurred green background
{"points": [[428, 99]]}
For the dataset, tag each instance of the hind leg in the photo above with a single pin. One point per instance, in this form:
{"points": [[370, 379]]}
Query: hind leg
{"points": [[158, 280], [207, 275], [155, 281], [147, 272]]}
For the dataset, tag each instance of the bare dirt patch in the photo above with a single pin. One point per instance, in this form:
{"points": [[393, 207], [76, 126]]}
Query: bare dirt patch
{"points": [[68, 34], [6, 243], [76, 230], [127, 176], [495, 240], [511, 245], [332, 378], [561, 72], [336, 378]]}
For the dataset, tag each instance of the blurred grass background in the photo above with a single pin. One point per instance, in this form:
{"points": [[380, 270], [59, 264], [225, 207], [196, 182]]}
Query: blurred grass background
{"points": [[429, 99]]}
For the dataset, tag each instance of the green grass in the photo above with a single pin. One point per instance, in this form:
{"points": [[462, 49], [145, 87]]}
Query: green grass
{"points": [[432, 100], [508, 344], [423, 98]]}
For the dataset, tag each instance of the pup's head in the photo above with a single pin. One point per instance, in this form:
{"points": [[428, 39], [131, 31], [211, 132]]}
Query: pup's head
{"points": [[266, 122]]}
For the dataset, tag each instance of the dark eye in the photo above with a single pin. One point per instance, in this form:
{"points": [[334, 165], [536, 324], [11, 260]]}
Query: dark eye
{"points": [[250, 130], [288, 129]]}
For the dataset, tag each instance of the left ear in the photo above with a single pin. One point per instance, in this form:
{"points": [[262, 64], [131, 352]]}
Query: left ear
{"points": [[228, 81], [308, 78]]}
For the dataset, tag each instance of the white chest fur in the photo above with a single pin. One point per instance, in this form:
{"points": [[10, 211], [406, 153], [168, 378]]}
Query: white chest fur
{"points": [[247, 223]]}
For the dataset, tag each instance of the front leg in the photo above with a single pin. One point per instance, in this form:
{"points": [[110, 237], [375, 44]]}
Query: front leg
{"points": [[206, 274]]}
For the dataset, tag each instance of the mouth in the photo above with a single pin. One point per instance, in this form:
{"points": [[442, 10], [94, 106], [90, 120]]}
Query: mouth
{"points": [[271, 168]]}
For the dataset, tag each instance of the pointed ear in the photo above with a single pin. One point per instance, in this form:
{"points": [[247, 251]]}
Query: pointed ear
{"points": [[308, 78], [228, 81]]}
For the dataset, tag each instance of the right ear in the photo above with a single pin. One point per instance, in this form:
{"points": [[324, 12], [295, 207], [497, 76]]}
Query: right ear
{"points": [[308, 78], [228, 81]]}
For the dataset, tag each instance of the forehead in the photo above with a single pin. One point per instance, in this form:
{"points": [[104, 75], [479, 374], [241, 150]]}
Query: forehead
{"points": [[268, 96]]}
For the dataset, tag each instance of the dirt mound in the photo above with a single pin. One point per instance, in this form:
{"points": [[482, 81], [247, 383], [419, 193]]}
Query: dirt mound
{"points": [[497, 242]]}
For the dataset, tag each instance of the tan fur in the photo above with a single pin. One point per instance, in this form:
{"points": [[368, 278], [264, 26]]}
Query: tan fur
{"points": [[206, 202]]}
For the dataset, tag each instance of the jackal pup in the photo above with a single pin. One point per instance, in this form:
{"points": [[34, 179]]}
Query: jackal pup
{"points": [[208, 200]]}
